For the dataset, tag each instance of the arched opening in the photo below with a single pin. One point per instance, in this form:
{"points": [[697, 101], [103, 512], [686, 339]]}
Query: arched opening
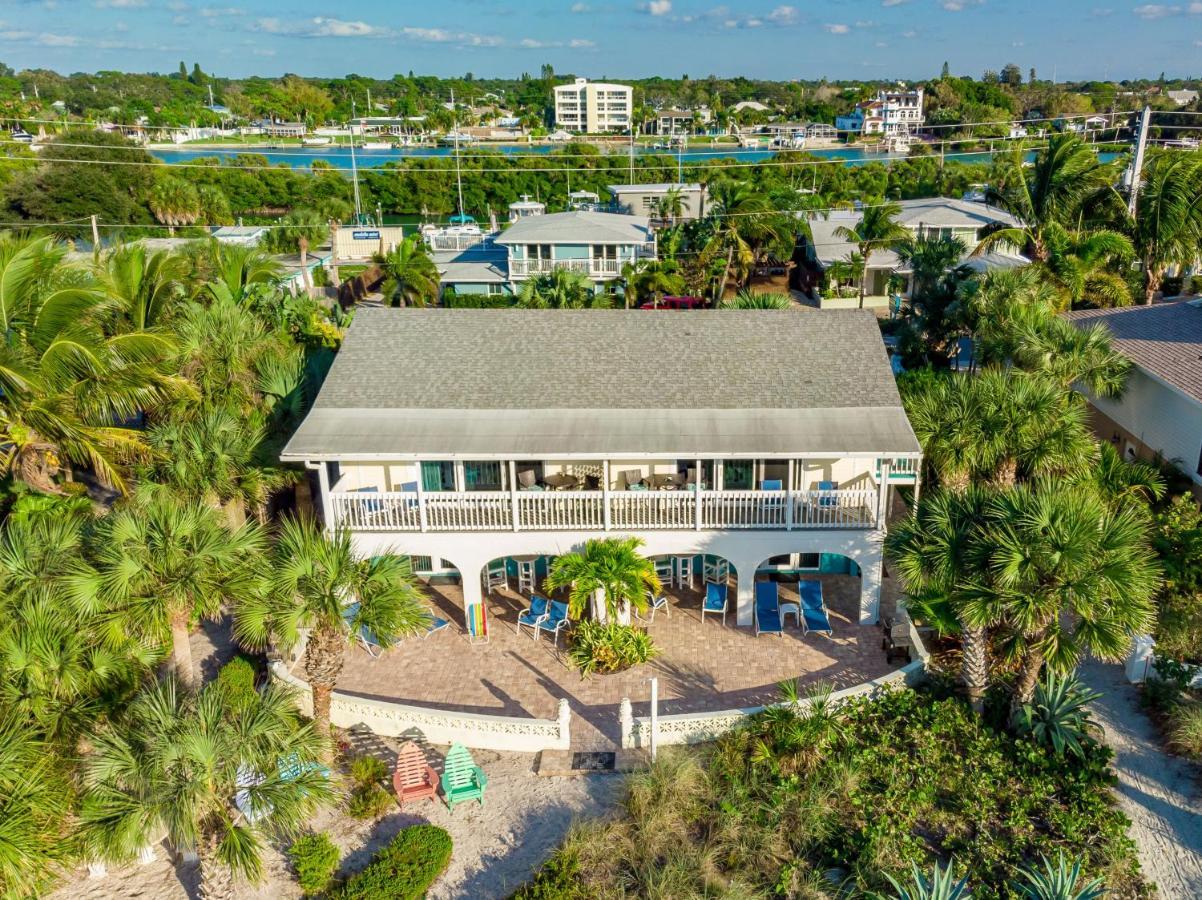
{"points": [[814, 592], [684, 580]]}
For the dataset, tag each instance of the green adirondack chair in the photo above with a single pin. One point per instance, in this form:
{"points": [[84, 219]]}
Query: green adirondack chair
{"points": [[462, 779]]}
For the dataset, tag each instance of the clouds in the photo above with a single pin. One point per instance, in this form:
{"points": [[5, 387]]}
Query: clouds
{"points": [[574, 43], [1153, 11], [960, 5], [40, 38], [320, 26], [658, 7], [783, 15], [119, 4], [837, 28]]}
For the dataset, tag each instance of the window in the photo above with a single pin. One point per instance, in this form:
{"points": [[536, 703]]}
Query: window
{"points": [[738, 474], [495, 290], [538, 251], [482, 476], [438, 476]]}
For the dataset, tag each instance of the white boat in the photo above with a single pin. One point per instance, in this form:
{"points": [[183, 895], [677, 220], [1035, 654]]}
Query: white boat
{"points": [[898, 143], [315, 141], [1182, 144], [377, 145]]}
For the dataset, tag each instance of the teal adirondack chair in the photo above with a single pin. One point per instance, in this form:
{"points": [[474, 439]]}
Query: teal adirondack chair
{"points": [[462, 779]]}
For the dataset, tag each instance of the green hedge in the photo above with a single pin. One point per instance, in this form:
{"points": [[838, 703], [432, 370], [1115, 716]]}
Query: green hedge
{"points": [[237, 682], [315, 858], [404, 870]]}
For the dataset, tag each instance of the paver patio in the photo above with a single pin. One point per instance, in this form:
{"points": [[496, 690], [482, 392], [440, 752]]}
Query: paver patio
{"points": [[700, 667]]}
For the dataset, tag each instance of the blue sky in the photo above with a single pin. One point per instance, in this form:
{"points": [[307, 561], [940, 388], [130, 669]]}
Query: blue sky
{"points": [[634, 38]]}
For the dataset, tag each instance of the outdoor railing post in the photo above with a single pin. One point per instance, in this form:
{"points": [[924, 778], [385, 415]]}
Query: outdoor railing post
{"points": [[605, 492], [697, 495], [883, 493], [789, 497], [513, 494], [421, 501]]}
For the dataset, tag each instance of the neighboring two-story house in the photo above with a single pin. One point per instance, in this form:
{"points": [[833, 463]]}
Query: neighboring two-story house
{"points": [[736, 439], [644, 199], [888, 113], [597, 244], [932, 217], [1160, 412]]}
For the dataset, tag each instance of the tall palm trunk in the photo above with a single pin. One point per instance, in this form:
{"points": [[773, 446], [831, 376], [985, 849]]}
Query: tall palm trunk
{"points": [[1006, 474], [730, 257], [974, 664], [1152, 282], [323, 665], [216, 879], [181, 648], [865, 252], [1028, 677]]}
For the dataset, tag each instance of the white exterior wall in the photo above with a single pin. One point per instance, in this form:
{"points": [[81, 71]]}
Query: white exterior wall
{"points": [[1163, 418], [593, 107], [469, 552]]}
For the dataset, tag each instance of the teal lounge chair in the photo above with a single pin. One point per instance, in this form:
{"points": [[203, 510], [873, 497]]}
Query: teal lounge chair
{"points": [[462, 779], [767, 608], [715, 601], [532, 616], [555, 621]]}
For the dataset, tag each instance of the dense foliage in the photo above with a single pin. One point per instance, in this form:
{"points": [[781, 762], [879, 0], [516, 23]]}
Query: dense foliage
{"points": [[796, 800], [315, 859], [602, 648], [404, 869]]}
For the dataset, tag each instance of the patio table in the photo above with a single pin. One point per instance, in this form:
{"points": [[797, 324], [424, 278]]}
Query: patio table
{"points": [[662, 482], [562, 481], [790, 609]]}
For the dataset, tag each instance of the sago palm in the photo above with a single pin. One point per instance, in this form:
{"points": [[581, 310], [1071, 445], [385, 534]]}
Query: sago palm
{"points": [[321, 588], [216, 783], [64, 382], [942, 560], [166, 562], [410, 276], [608, 572], [1167, 227], [878, 229], [1074, 575]]}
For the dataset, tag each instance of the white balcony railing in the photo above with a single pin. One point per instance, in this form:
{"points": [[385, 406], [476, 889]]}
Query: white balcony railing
{"points": [[586, 510], [456, 242]]}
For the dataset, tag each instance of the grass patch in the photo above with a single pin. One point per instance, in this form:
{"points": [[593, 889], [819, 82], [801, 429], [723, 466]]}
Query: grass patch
{"points": [[794, 799]]}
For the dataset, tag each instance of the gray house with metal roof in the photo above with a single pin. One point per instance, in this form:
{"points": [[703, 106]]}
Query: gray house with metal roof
{"points": [[745, 437]]}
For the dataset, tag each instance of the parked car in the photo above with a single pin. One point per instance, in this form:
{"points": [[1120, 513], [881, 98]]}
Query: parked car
{"points": [[675, 303]]}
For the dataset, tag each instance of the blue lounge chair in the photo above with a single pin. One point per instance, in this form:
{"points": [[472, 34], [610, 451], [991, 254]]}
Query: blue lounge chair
{"points": [[715, 601], [555, 621], [828, 502], [366, 637], [532, 616], [655, 604], [814, 616], [436, 624], [767, 608]]}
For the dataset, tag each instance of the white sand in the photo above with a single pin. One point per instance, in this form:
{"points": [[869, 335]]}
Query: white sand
{"points": [[497, 846]]}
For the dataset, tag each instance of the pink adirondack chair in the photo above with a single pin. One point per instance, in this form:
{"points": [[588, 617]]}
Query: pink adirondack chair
{"points": [[413, 779]]}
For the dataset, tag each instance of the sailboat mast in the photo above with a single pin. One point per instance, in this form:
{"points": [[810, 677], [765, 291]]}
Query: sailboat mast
{"points": [[458, 172], [355, 167]]}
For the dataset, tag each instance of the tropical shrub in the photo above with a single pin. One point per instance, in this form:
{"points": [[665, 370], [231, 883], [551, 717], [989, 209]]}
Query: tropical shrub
{"points": [[236, 681], [1185, 729], [609, 647], [1057, 717], [368, 770], [942, 885], [403, 870], [1061, 880], [368, 799], [315, 859]]}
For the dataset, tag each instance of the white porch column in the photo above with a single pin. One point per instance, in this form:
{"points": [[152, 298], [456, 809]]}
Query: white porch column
{"points": [[883, 494], [745, 594], [513, 493], [789, 496], [421, 497], [870, 564], [323, 481], [605, 492], [698, 478]]}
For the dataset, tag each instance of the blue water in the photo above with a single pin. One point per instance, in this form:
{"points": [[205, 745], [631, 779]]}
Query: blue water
{"points": [[340, 157]]}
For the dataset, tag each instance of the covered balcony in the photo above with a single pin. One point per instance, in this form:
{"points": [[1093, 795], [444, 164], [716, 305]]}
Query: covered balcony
{"points": [[615, 495]]}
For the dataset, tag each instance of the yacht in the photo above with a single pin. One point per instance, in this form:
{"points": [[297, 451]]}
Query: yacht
{"points": [[377, 145], [315, 141]]}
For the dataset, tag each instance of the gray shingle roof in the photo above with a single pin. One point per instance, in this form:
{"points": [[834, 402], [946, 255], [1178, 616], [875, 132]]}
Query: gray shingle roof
{"points": [[539, 382], [1165, 340], [578, 228], [472, 266]]}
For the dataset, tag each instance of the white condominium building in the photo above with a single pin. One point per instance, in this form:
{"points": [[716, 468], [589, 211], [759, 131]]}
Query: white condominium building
{"points": [[592, 107]]}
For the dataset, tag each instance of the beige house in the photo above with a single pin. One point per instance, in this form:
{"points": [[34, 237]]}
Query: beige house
{"points": [[593, 107]]}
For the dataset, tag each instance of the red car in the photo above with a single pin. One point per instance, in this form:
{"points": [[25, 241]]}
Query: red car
{"points": [[675, 303]]}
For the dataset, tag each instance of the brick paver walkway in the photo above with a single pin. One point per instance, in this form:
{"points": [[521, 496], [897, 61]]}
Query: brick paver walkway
{"points": [[700, 667]]}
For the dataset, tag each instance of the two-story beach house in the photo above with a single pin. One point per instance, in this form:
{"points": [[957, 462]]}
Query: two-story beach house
{"points": [[970, 221], [888, 113], [597, 244], [730, 441]]}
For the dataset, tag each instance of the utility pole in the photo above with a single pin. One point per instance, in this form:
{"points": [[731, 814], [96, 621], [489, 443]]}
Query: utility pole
{"points": [[355, 167], [95, 236], [632, 149], [1135, 172]]}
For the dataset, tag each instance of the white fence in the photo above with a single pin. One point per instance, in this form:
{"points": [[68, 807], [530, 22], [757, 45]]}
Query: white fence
{"points": [[696, 728], [1142, 660], [585, 510], [437, 726]]}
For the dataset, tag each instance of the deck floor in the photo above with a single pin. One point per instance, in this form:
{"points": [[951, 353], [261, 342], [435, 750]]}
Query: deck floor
{"points": [[701, 666]]}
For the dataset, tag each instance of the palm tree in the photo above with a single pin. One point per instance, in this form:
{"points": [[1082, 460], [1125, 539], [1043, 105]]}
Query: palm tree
{"points": [[1069, 355], [1082, 265], [1064, 179], [743, 223], [167, 562], [669, 206], [410, 276], [1003, 303], [320, 587], [181, 763], [610, 574], [936, 264], [757, 300], [877, 229], [218, 458], [941, 558], [63, 380], [36, 839], [1061, 880], [1073, 574], [229, 271], [1167, 227], [1116, 479], [174, 202], [143, 287], [651, 278], [562, 289]]}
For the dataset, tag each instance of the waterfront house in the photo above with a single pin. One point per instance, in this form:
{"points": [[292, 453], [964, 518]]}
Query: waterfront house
{"points": [[682, 121], [592, 107], [888, 113], [930, 217], [733, 443], [597, 244], [1159, 415], [643, 199]]}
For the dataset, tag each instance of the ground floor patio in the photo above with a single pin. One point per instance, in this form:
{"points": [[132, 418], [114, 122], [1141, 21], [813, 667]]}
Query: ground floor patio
{"points": [[701, 666]]}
